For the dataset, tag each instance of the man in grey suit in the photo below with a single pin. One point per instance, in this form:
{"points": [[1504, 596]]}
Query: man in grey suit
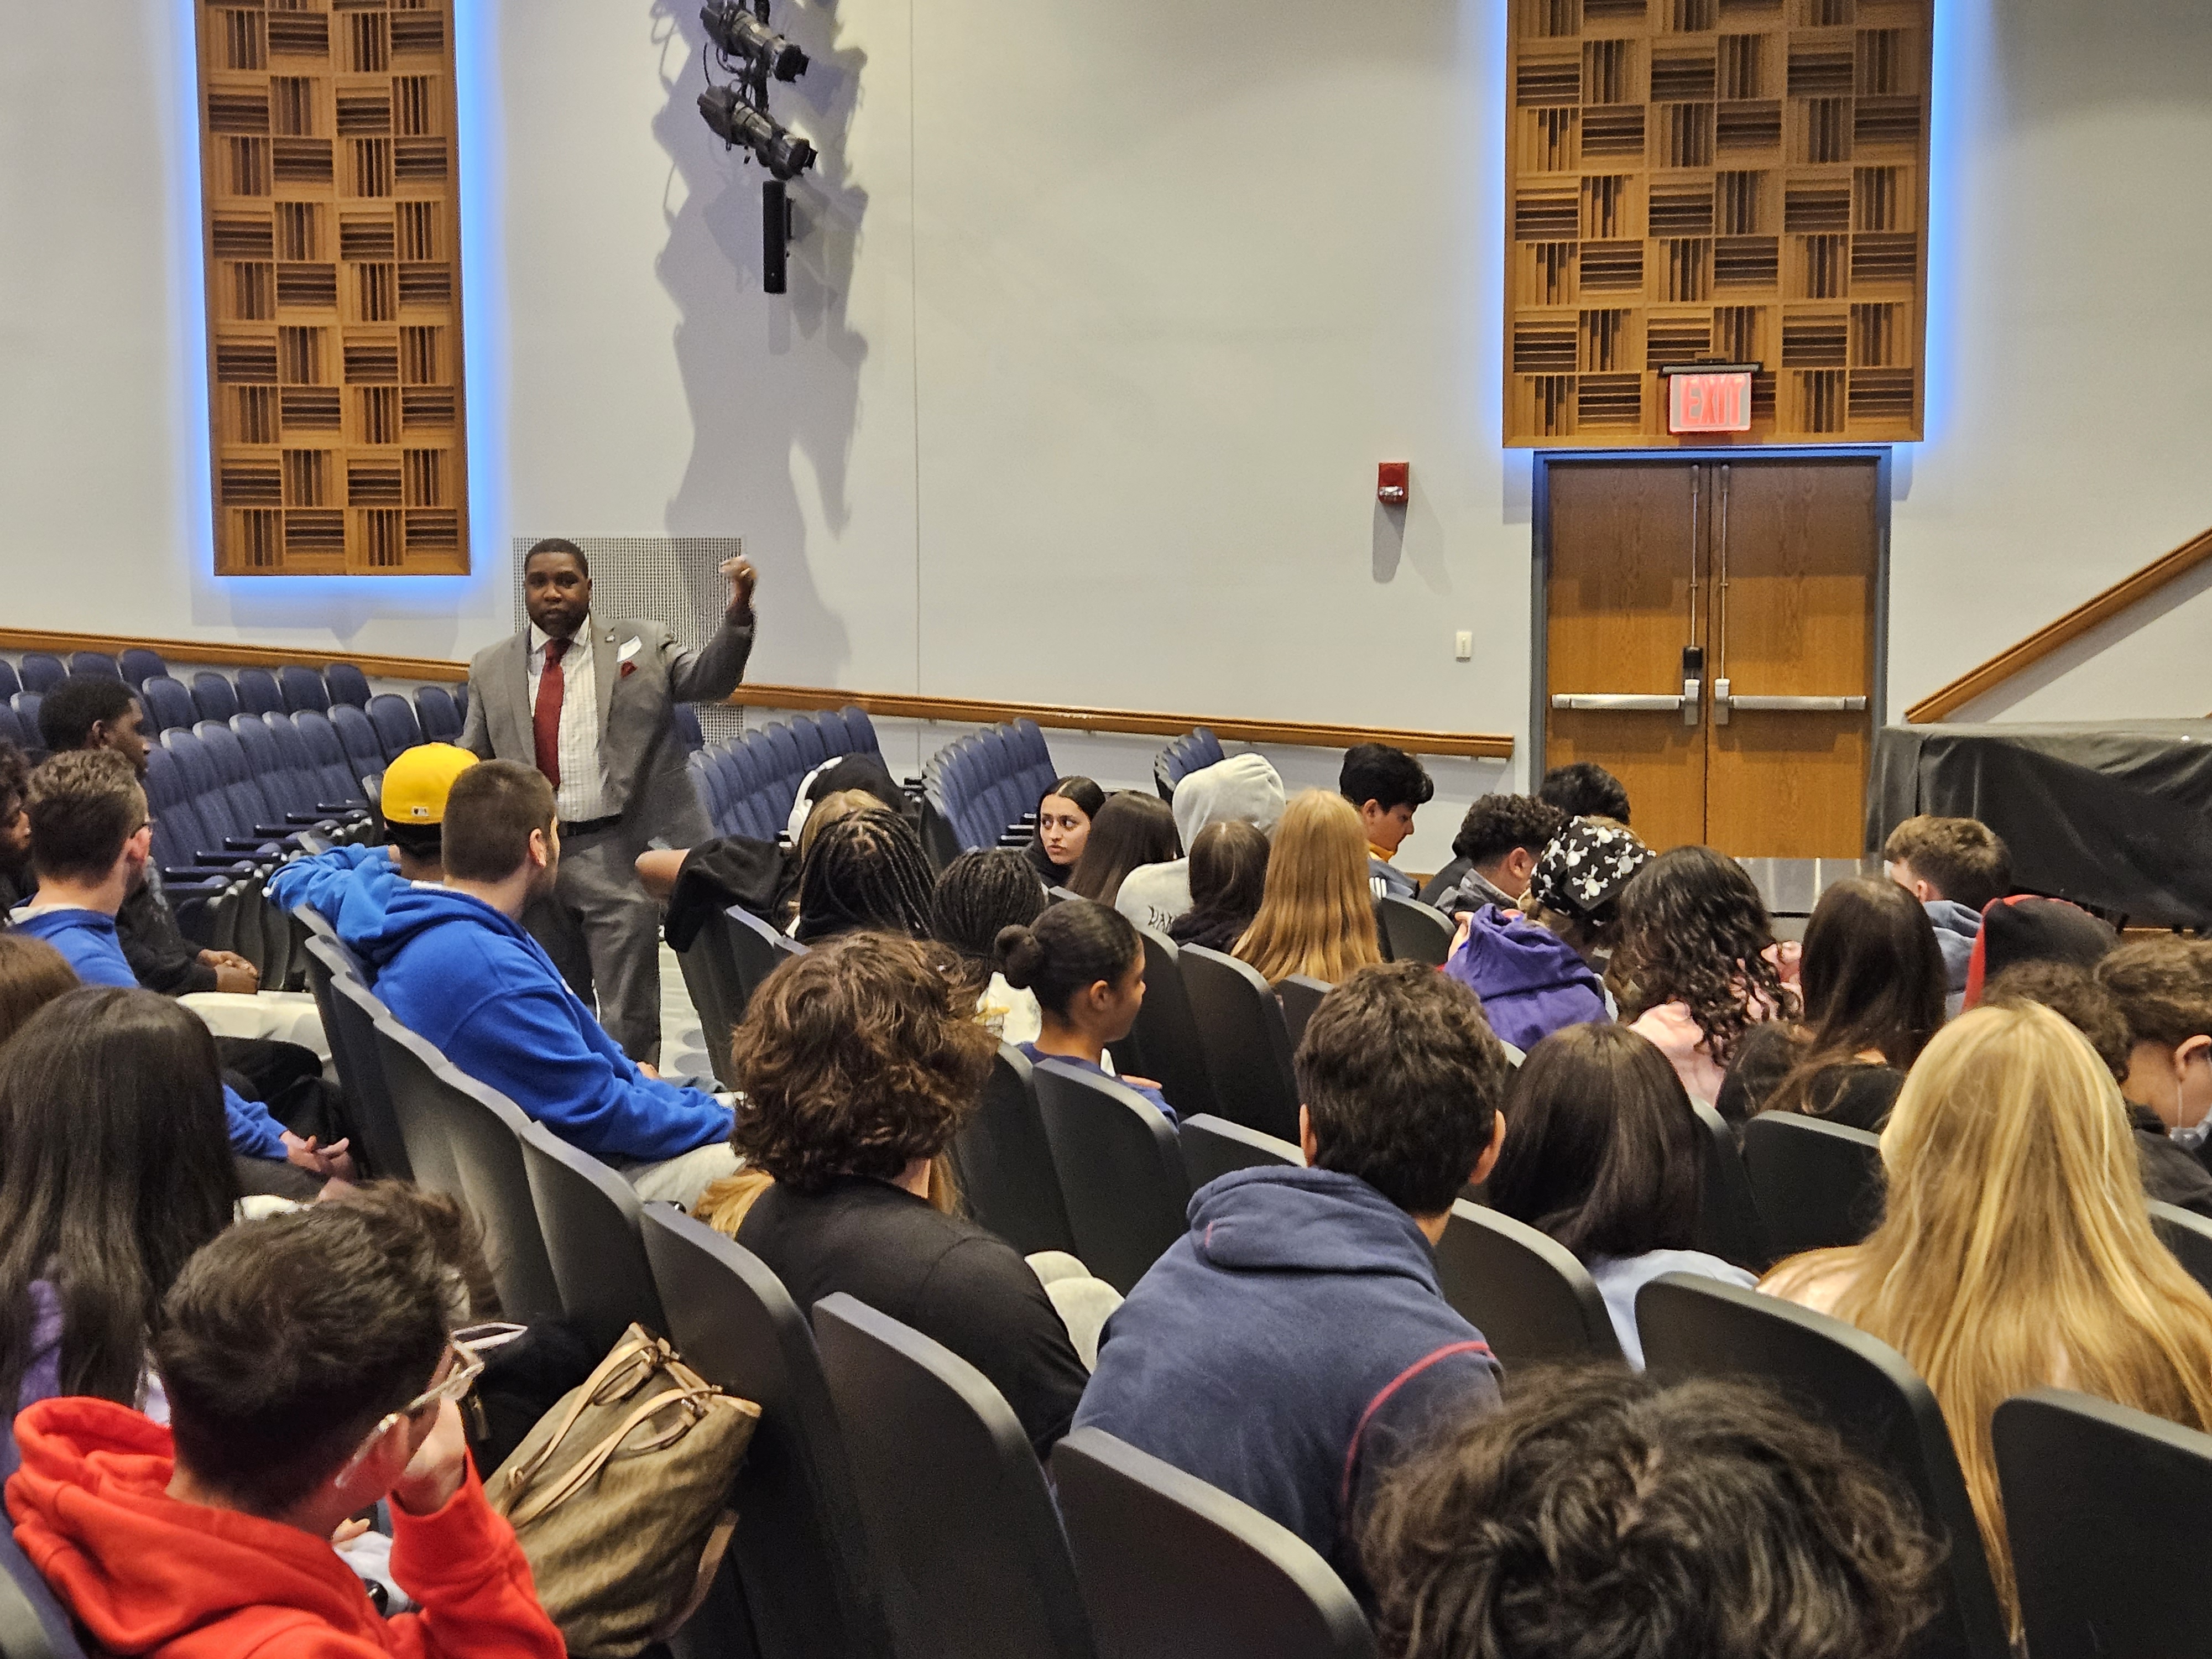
{"points": [[591, 704]]}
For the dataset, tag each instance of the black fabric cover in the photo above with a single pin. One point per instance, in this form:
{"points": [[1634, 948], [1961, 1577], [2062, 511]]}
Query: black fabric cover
{"points": [[2109, 816]]}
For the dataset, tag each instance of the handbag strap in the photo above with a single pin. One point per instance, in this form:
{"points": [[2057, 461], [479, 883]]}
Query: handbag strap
{"points": [[593, 1460], [623, 1354], [710, 1563]]}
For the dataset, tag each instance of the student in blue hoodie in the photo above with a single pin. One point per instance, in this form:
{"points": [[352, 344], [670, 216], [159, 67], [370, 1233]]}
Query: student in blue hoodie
{"points": [[91, 841], [350, 886], [455, 965], [1954, 867], [1295, 1344]]}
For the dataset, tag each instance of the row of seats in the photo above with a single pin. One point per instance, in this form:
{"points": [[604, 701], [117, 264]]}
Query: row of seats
{"points": [[747, 785], [826, 1519], [979, 789], [1194, 751]]}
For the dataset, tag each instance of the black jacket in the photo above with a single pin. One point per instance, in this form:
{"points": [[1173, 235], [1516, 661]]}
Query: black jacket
{"points": [[2171, 1172], [163, 959]]}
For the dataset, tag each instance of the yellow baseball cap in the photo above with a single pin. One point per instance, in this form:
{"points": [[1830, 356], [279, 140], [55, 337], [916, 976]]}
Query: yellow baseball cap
{"points": [[415, 784]]}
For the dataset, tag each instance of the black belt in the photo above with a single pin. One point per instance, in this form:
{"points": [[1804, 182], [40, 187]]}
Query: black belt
{"points": [[587, 826]]}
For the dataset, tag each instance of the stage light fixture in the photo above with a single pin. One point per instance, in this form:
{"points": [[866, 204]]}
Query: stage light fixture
{"points": [[739, 34], [783, 152]]}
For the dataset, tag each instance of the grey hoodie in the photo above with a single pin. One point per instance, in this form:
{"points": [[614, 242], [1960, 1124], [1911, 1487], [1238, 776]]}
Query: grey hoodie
{"points": [[1956, 927], [1243, 789]]}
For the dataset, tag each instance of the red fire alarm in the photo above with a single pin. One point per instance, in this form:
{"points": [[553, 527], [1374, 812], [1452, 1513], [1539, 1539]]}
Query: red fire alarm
{"points": [[1392, 481]]}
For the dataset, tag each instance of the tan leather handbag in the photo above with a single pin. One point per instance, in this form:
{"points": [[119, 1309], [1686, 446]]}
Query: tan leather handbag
{"points": [[620, 1497]]}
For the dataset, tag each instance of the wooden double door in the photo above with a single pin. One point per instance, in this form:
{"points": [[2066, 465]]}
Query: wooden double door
{"points": [[1709, 638]]}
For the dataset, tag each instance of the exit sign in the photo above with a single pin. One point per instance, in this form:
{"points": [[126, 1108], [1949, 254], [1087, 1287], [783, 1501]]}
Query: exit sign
{"points": [[1709, 400]]}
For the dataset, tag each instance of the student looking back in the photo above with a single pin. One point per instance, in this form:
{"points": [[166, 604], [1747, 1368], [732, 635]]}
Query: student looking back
{"points": [[1386, 787]]}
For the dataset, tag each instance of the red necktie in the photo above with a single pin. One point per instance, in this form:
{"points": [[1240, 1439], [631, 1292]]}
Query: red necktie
{"points": [[545, 717]]}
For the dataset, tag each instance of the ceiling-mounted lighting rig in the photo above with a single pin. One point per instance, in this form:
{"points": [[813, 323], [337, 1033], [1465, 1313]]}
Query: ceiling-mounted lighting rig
{"points": [[751, 53]]}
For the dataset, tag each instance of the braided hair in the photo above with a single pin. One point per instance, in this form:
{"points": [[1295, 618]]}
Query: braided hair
{"points": [[978, 894], [865, 873]]}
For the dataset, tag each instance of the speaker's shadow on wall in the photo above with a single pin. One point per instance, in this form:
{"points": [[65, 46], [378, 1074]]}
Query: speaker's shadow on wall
{"points": [[770, 377]]}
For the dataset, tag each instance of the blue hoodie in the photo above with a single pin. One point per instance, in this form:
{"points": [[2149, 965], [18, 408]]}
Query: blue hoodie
{"points": [[348, 886], [1529, 979], [1288, 1349], [471, 983], [1956, 927], [87, 939]]}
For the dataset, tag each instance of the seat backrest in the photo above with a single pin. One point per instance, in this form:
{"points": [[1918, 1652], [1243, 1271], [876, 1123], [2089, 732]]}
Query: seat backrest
{"points": [[94, 666], [303, 688], [687, 728], [1167, 1030], [1004, 1163], [1727, 1215], [212, 809], [140, 664], [590, 1218], [26, 705], [1299, 995], [1444, 880], [1121, 1173], [2103, 1505], [281, 787], [1172, 1568], [346, 684], [861, 731], [178, 832], [799, 1550], [302, 777], [2188, 1234], [364, 755], [1413, 931], [1817, 1184], [380, 1149], [393, 719], [711, 977], [1532, 1301], [756, 949], [480, 1131], [335, 781], [461, 698], [952, 1498], [247, 807], [434, 710], [1863, 1389], [216, 698], [11, 682], [1248, 1047], [167, 703], [42, 671], [1213, 1146], [258, 690], [12, 730], [33, 1623]]}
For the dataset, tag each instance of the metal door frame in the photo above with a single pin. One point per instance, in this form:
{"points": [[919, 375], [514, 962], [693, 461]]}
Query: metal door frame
{"points": [[1539, 563]]}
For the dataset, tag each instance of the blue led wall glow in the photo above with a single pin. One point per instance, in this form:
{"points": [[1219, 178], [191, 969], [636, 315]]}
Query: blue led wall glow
{"points": [[1957, 88]]}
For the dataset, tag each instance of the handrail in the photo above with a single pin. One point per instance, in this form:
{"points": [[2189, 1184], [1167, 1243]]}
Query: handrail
{"points": [[969, 711], [2091, 613]]}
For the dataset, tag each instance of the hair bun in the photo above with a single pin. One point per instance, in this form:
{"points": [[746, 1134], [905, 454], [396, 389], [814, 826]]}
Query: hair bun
{"points": [[1021, 953]]}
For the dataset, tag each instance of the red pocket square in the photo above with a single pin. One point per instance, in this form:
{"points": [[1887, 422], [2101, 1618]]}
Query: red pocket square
{"points": [[628, 668]]}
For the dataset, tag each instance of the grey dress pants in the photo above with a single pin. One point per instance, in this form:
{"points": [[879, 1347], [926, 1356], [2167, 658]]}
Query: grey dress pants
{"points": [[603, 932]]}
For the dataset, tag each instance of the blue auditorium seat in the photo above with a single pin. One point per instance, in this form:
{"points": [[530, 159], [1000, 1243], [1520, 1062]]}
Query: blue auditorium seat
{"points": [[813, 747], [257, 692], [9, 683], [303, 688], [26, 705], [786, 767], [216, 698], [215, 811], [140, 664], [167, 703], [252, 812], [287, 781], [699, 766], [346, 684], [393, 717], [461, 698], [336, 778], [42, 671], [11, 729], [434, 712], [294, 758], [364, 753], [94, 666], [687, 728]]}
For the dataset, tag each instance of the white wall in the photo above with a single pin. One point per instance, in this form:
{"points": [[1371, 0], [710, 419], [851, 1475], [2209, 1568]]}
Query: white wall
{"points": [[1100, 318]]}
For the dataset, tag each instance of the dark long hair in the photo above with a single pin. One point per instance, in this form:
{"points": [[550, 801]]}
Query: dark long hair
{"points": [[1068, 949], [115, 1166], [1602, 1150], [865, 873], [1693, 930], [1872, 978], [1129, 830], [1227, 877], [1088, 798]]}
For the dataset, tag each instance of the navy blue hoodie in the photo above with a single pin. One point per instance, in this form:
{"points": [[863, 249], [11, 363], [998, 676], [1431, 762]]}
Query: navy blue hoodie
{"points": [[1288, 1349], [471, 982]]}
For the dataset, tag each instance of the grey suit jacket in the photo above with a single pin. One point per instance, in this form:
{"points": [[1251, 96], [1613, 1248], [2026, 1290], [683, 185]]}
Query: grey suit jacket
{"points": [[646, 782]]}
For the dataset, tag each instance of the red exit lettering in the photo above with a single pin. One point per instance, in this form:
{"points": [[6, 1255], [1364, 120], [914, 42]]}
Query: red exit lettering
{"points": [[1708, 403]]}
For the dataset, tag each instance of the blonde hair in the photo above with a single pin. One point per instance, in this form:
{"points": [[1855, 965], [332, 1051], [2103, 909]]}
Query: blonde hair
{"points": [[2016, 1250], [836, 805], [729, 1199], [1317, 913]]}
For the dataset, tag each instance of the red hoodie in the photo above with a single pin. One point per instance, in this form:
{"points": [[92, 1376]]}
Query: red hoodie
{"points": [[146, 1574]]}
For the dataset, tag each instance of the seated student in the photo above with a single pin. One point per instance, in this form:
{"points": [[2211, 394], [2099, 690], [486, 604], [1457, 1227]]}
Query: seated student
{"points": [[350, 886], [1228, 879], [1294, 1343], [91, 841], [15, 878], [2027, 928], [1583, 789], [2172, 1172], [1086, 966], [1501, 838], [1317, 913], [979, 895], [32, 974], [1063, 828], [1955, 867], [1872, 980], [1532, 969], [1607, 1157], [114, 1168], [857, 1067], [1386, 787], [1243, 789], [1131, 830], [863, 871], [1600, 1515], [1696, 962], [1575, 890], [2015, 1251], [455, 965], [311, 1372]]}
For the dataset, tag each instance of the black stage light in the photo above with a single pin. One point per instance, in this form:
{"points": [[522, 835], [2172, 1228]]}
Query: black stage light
{"points": [[784, 154], [741, 34]]}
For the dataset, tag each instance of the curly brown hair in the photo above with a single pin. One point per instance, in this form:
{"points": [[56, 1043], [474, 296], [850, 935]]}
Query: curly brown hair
{"points": [[854, 1059], [1693, 930]]}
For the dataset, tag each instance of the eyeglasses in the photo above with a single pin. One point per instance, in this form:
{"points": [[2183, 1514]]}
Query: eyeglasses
{"points": [[468, 1345]]}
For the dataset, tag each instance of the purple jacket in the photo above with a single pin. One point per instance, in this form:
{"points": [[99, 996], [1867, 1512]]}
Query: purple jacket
{"points": [[1529, 979]]}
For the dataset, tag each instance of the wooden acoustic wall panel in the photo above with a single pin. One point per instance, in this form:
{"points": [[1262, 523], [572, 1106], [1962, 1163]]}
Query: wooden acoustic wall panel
{"points": [[1744, 179], [330, 181]]}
